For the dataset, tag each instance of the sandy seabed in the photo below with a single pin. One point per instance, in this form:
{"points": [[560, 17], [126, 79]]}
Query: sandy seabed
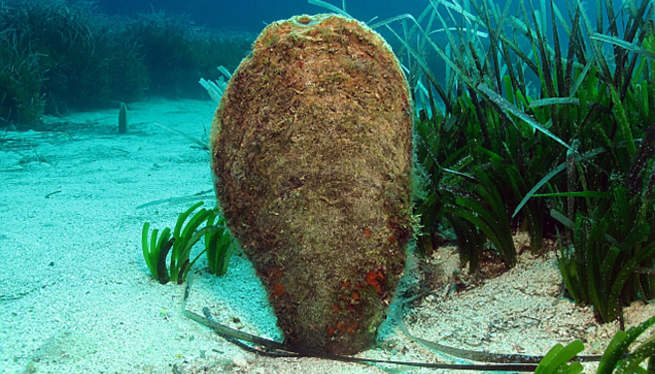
{"points": [[76, 295]]}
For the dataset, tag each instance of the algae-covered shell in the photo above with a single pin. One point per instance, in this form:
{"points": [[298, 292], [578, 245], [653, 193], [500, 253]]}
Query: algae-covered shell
{"points": [[311, 149]]}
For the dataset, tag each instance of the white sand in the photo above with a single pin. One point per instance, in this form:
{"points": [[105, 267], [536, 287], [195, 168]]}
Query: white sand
{"points": [[76, 296]]}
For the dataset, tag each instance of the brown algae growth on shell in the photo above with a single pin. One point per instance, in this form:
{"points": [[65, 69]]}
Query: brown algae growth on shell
{"points": [[312, 154]]}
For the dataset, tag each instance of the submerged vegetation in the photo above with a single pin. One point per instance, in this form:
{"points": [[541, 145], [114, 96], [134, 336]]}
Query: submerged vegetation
{"points": [[168, 254], [616, 358], [542, 123], [55, 56]]}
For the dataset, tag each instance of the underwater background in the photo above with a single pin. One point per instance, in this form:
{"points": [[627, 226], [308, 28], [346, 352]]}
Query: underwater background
{"points": [[533, 175], [251, 16], [57, 55]]}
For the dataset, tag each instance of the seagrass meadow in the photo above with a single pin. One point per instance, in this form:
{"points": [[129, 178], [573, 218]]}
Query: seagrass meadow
{"points": [[61, 56], [543, 123]]}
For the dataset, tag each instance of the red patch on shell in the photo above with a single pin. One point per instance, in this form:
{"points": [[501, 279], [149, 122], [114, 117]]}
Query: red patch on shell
{"points": [[278, 289], [373, 278]]}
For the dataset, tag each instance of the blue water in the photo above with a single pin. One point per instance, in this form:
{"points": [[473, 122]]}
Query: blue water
{"points": [[252, 15]]}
